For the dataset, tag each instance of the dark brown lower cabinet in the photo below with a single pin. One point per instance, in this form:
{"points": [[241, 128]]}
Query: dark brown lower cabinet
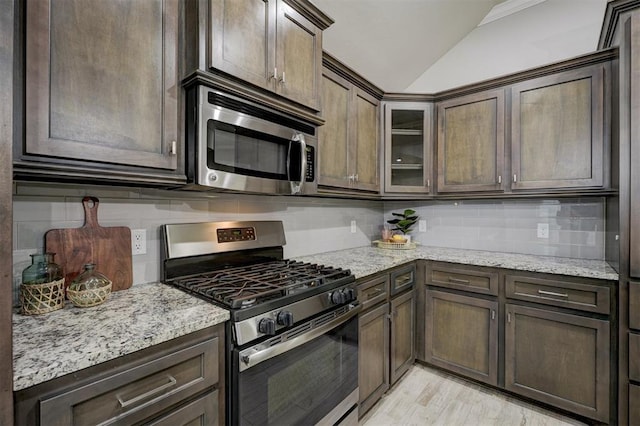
{"points": [[558, 358], [178, 382], [373, 356], [462, 334], [402, 350], [634, 405]]}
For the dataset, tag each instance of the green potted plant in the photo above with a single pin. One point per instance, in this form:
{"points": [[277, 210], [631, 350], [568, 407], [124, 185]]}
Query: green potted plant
{"points": [[404, 221]]}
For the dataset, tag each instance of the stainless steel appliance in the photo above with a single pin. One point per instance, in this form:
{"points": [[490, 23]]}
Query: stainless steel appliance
{"points": [[292, 341], [234, 144]]}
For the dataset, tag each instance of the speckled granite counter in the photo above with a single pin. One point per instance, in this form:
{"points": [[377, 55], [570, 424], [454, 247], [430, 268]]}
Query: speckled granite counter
{"points": [[365, 261], [61, 342]]}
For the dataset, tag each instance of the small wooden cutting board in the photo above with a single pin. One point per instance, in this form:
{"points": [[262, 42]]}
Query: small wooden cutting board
{"points": [[108, 247]]}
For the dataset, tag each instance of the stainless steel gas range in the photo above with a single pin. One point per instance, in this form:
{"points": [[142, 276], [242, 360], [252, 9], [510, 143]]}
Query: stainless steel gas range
{"points": [[292, 341]]}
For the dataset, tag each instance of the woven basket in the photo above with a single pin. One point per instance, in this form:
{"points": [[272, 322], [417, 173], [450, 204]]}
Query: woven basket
{"points": [[90, 297], [36, 299], [395, 246]]}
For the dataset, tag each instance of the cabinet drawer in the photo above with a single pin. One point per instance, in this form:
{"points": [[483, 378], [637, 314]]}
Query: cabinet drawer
{"points": [[634, 405], [458, 277], [403, 279], [139, 392], [202, 411], [585, 297], [634, 357], [634, 305], [372, 292]]}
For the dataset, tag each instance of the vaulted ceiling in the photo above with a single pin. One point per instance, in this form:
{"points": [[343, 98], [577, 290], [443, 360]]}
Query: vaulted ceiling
{"points": [[425, 46]]}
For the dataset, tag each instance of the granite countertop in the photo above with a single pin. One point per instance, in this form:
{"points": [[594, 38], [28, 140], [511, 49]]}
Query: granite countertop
{"points": [[62, 342], [365, 261], [70, 339]]}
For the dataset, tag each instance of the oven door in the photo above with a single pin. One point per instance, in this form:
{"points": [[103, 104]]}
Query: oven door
{"points": [[309, 377]]}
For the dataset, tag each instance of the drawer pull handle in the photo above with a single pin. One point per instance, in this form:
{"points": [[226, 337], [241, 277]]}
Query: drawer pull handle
{"points": [[135, 400], [376, 292], [458, 280], [552, 293]]}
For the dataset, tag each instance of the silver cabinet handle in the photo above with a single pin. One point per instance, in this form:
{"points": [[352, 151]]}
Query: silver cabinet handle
{"points": [[515, 178], [172, 381], [500, 179], [428, 183], [355, 177], [552, 293], [493, 314], [275, 74], [376, 292], [509, 317], [282, 79], [173, 148], [458, 280]]}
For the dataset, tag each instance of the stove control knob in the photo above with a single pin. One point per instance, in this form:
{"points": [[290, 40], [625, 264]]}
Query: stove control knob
{"points": [[350, 294], [267, 326], [285, 318], [338, 297]]}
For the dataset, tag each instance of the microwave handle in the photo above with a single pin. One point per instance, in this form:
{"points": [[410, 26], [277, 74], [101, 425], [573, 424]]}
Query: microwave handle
{"points": [[296, 186]]}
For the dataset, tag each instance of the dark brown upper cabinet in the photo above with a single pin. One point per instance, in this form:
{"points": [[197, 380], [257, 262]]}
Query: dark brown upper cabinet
{"points": [[273, 44], [557, 130], [471, 142], [348, 141], [102, 90]]}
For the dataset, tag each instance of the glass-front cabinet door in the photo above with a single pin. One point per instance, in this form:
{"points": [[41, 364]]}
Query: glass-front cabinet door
{"points": [[407, 138]]}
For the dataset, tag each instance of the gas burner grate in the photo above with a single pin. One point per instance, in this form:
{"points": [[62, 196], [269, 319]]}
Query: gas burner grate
{"points": [[245, 286]]}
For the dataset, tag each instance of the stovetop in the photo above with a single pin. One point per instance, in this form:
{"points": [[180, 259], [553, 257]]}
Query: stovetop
{"points": [[248, 286]]}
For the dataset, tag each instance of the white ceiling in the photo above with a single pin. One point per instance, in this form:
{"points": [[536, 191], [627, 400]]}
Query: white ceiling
{"points": [[426, 46], [393, 42]]}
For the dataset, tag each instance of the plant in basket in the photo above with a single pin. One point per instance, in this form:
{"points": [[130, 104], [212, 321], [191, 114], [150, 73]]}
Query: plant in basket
{"points": [[403, 222]]}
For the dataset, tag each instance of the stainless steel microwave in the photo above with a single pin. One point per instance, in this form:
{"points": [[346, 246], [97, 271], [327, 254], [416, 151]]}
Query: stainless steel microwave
{"points": [[237, 145]]}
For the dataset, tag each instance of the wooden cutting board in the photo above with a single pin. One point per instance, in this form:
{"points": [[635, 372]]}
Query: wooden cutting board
{"points": [[108, 247]]}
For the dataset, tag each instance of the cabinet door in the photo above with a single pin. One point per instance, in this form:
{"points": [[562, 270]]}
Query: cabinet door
{"points": [[471, 143], [402, 353], [557, 130], [462, 335], [364, 148], [333, 136], [242, 39], [373, 356], [559, 359], [298, 57], [101, 81], [407, 147]]}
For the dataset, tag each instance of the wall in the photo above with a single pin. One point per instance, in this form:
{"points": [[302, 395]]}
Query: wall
{"points": [[548, 32], [576, 226], [312, 225]]}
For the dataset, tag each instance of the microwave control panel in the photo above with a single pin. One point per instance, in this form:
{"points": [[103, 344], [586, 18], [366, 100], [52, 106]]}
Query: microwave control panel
{"points": [[311, 164], [231, 235]]}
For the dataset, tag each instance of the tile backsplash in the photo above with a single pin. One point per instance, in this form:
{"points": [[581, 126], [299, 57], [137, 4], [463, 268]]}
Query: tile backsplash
{"points": [[576, 225], [312, 225]]}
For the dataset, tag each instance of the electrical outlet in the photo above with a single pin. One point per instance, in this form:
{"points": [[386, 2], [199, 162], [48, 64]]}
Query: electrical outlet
{"points": [[543, 230], [422, 225], [138, 241], [354, 229]]}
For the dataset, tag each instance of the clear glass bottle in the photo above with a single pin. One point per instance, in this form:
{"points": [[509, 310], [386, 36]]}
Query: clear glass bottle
{"points": [[89, 279], [42, 287]]}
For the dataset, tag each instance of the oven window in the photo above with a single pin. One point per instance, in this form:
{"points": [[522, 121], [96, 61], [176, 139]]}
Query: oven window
{"points": [[303, 385], [243, 151]]}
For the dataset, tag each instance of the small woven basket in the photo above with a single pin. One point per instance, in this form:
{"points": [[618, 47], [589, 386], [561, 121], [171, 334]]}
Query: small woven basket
{"points": [[36, 299], [395, 246], [89, 297]]}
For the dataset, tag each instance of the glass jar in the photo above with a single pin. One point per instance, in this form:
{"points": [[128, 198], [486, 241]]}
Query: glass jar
{"points": [[90, 288], [89, 279], [42, 288]]}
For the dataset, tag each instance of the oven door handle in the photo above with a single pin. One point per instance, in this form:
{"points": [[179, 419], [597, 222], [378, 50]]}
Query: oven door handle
{"points": [[254, 355]]}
